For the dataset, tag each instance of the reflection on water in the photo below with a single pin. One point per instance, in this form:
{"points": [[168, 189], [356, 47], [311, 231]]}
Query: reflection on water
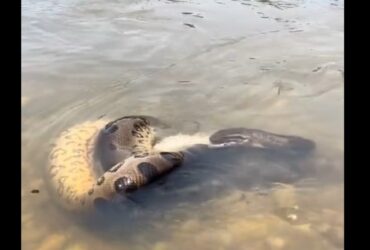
{"points": [[200, 66]]}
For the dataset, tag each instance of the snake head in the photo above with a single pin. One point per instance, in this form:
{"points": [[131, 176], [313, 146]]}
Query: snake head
{"points": [[138, 171]]}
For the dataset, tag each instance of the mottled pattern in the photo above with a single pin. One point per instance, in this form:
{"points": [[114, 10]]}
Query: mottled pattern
{"points": [[73, 162], [70, 163], [123, 138], [147, 170]]}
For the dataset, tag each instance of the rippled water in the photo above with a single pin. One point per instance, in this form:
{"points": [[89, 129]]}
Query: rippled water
{"points": [[199, 65]]}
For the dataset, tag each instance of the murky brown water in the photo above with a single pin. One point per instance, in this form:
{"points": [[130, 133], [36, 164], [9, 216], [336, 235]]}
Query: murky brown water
{"points": [[273, 65]]}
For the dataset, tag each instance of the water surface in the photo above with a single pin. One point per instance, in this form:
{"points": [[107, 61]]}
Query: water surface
{"points": [[199, 65]]}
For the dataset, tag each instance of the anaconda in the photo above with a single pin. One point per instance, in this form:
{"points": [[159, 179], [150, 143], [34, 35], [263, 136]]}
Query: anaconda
{"points": [[104, 161]]}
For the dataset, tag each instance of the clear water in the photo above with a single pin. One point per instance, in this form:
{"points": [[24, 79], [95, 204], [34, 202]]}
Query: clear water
{"points": [[272, 65]]}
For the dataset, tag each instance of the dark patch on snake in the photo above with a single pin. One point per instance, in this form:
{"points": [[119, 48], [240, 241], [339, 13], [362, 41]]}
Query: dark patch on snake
{"points": [[124, 185], [170, 157], [148, 170], [100, 180], [90, 192]]}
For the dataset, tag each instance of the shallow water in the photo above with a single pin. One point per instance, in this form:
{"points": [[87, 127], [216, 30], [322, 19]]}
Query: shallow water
{"points": [[200, 66]]}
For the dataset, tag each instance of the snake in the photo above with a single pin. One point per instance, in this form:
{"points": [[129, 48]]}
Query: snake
{"points": [[105, 161]]}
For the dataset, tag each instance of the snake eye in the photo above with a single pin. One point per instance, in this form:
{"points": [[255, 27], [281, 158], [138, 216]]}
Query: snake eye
{"points": [[124, 185]]}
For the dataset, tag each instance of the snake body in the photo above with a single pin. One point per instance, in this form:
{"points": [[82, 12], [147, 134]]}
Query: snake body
{"points": [[100, 161], [121, 150]]}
